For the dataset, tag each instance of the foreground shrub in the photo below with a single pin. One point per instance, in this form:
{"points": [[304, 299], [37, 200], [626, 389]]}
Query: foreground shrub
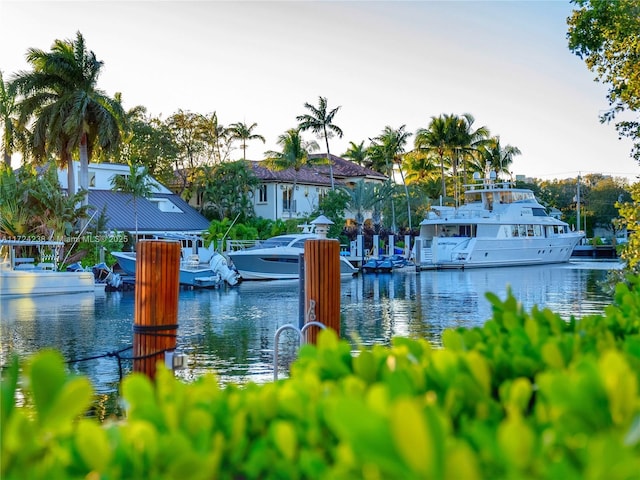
{"points": [[526, 396]]}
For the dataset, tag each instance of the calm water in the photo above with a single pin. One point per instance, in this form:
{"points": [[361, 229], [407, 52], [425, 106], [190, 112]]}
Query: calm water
{"points": [[231, 331]]}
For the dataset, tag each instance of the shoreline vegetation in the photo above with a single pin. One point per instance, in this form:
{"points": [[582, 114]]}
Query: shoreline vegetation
{"points": [[526, 395]]}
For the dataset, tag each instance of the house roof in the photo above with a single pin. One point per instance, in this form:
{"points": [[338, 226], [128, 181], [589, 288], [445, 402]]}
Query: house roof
{"points": [[344, 168], [316, 174], [304, 175], [154, 214]]}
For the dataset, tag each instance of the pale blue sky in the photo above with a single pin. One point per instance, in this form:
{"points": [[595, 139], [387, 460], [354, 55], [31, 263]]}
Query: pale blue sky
{"points": [[385, 63]]}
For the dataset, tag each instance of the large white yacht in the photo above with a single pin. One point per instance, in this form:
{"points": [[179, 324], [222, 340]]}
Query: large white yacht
{"points": [[497, 225]]}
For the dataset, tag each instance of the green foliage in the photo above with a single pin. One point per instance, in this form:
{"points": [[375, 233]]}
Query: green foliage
{"points": [[526, 396], [226, 190], [605, 34], [220, 231], [332, 205], [630, 219]]}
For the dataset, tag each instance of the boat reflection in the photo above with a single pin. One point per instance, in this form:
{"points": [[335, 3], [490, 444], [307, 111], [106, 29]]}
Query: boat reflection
{"points": [[378, 307]]}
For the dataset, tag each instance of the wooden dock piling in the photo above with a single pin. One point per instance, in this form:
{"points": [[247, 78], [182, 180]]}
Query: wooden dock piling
{"points": [[322, 285], [156, 303]]}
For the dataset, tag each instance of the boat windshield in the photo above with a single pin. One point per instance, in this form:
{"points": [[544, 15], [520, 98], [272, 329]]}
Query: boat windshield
{"points": [[500, 196], [273, 242]]}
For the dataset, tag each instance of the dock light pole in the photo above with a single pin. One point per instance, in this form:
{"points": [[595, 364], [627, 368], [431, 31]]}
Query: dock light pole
{"points": [[322, 280]]}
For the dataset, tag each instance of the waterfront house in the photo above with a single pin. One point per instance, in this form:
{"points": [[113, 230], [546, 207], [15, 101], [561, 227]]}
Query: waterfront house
{"points": [[275, 197], [162, 212]]}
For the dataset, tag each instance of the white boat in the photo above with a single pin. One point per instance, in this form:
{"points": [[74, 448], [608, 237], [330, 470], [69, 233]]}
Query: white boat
{"points": [[200, 267], [278, 258], [30, 268], [496, 226]]}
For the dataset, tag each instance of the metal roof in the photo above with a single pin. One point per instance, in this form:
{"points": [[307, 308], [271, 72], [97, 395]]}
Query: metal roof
{"points": [[120, 215]]}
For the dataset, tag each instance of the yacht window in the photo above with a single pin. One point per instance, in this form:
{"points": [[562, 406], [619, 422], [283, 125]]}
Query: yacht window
{"points": [[522, 230], [514, 230]]}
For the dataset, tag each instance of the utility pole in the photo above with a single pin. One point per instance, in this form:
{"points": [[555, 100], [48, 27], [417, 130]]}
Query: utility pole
{"points": [[578, 203]]}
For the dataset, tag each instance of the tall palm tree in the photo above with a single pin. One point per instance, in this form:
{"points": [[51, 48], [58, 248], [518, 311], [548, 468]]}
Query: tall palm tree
{"points": [[465, 142], [496, 156], [393, 143], [358, 153], [70, 113], [222, 136], [422, 170], [294, 155], [437, 138], [320, 122], [137, 183], [11, 131], [366, 196], [240, 131]]}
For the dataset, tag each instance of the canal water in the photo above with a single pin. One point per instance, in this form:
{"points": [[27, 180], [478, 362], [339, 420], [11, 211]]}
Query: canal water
{"points": [[230, 332]]}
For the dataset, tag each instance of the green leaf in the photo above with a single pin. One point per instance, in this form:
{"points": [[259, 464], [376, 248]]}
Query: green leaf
{"points": [[517, 441], [365, 366], [621, 385], [8, 391], [412, 438], [46, 378], [283, 434], [480, 370], [92, 443], [72, 400], [552, 355]]}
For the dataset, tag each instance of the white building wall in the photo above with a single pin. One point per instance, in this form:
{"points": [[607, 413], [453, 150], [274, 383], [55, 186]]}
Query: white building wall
{"points": [[100, 175], [305, 200]]}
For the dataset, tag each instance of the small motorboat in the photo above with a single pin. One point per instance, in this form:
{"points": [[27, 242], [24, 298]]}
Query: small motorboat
{"points": [[386, 264]]}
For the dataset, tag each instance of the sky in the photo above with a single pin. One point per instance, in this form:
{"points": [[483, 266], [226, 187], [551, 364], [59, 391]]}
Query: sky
{"points": [[384, 63]]}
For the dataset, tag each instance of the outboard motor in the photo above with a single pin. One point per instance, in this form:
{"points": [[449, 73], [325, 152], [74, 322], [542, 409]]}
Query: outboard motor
{"points": [[104, 274], [219, 265], [75, 267]]}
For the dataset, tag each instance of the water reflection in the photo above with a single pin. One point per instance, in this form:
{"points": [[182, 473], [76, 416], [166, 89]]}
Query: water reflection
{"points": [[231, 332]]}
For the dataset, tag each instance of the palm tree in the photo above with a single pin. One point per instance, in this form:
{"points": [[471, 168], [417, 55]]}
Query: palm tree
{"points": [[388, 147], [422, 170], [137, 183], [437, 138], [394, 142], [320, 122], [221, 135], [242, 132], [366, 196], [11, 132], [496, 156], [358, 153], [294, 154], [465, 142], [70, 113]]}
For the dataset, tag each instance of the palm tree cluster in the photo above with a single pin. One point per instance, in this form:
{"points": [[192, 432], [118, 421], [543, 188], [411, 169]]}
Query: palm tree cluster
{"points": [[56, 112]]}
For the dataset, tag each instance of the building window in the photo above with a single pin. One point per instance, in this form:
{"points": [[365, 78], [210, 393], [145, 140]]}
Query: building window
{"points": [[287, 195], [262, 194]]}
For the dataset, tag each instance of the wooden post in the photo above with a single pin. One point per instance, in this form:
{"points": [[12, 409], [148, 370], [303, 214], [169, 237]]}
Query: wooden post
{"points": [[322, 285], [155, 324]]}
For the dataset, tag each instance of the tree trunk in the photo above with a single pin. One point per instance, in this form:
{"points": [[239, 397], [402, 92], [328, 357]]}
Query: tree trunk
{"points": [[71, 177], [326, 141], [83, 181], [406, 192]]}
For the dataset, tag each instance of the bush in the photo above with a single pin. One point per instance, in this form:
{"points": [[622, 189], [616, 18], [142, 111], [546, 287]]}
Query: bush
{"points": [[526, 396]]}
